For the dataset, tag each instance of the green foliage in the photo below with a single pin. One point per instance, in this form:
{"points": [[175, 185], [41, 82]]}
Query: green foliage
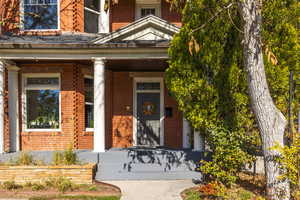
{"points": [[61, 183], [290, 162], [37, 186], [25, 158], [10, 185], [229, 156], [64, 184], [92, 188], [210, 84], [67, 157]]}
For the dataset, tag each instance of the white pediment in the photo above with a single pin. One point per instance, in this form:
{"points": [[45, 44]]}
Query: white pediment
{"points": [[148, 28]]}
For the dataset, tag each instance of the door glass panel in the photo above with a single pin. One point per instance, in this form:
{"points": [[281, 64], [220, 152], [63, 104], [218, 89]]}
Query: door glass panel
{"points": [[148, 86], [148, 119]]}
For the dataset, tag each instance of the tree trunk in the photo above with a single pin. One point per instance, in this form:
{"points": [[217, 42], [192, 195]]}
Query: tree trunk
{"points": [[271, 121]]}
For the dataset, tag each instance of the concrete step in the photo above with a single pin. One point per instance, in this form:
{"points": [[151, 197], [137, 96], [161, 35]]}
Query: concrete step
{"points": [[148, 164], [150, 176], [146, 167]]}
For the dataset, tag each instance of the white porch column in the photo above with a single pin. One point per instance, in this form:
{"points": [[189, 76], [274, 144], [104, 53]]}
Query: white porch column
{"points": [[199, 144], [2, 70], [13, 107], [104, 18], [99, 105], [186, 133]]}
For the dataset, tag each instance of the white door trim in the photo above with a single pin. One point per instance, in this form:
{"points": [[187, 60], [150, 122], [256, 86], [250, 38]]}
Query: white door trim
{"points": [[162, 105]]}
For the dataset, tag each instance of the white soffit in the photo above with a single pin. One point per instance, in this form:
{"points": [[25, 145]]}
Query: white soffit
{"points": [[148, 28]]}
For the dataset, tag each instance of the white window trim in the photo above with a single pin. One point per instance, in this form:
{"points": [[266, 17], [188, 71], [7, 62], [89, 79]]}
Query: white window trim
{"points": [[22, 26], [87, 103], [96, 12], [162, 104], [24, 102], [139, 7]]}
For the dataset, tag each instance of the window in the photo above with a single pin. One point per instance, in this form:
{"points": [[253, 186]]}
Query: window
{"points": [[42, 102], [40, 14], [91, 16], [147, 11], [149, 7], [89, 102]]}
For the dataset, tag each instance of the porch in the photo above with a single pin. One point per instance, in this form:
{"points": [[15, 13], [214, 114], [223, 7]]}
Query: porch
{"points": [[99, 106], [134, 163]]}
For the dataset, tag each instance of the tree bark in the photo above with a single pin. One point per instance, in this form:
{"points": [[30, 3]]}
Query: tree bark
{"points": [[271, 121]]}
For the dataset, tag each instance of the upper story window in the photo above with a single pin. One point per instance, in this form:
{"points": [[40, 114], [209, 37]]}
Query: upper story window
{"points": [[91, 16], [42, 102], [40, 14], [147, 7]]}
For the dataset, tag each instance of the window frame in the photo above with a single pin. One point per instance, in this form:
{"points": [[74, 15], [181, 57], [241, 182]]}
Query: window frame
{"points": [[140, 6], [24, 99], [22, 17], [87, 129], [94, 12]]}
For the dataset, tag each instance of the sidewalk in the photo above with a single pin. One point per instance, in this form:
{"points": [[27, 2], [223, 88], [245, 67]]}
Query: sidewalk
{"points": [[152, 190]]}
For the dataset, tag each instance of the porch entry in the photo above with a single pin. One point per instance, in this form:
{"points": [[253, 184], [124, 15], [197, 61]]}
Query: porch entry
{"points": [[148, 112]]}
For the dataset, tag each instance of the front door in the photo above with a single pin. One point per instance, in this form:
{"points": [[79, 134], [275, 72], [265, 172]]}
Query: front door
{"points": [[148, 113]]}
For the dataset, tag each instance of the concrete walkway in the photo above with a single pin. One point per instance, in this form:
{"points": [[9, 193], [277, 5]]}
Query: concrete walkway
{"points": [[152, 190]]}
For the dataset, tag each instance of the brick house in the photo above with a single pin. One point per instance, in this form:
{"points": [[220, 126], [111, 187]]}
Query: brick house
{"points": [[87, 73]]}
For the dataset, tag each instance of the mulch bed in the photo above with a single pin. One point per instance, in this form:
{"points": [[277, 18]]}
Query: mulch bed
{"points": [[103, 189]]}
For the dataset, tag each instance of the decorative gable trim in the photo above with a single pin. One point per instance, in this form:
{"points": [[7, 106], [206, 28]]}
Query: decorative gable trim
{"points": [[147, 28]]}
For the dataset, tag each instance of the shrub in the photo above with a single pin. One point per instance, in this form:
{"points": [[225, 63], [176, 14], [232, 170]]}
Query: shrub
{"points": [[57, 158], [37, 187], [67, 157], [64, 184], [70, 157], [215, 189], [11, 185], [290, 163], [25, 158], [229, 156]]}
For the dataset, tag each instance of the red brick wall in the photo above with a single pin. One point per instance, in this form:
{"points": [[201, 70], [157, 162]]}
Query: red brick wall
{"points": [[173, 125], [170, 15], [54, 140], [6, 116], [122, 14], [122, 119]]}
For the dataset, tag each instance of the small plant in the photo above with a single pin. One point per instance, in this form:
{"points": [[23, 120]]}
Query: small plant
{"points": [[70, 157], [37, 187], [64, 184], [92, 188], [215, 189], [25, 158], [245, 195], [11, 185], [57, 158], [67, 157], [28, 184]]}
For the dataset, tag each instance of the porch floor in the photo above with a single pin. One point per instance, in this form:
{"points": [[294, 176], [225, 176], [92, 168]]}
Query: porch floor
{"points": [[135, 163]]}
